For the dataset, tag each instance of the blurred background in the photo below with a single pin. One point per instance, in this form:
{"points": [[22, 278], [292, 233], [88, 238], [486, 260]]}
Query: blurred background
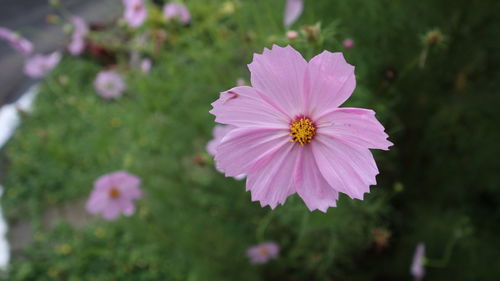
{"points": [[430, 69], [30, 18]]}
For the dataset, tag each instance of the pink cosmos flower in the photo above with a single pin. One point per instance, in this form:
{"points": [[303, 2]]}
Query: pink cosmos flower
{"points": [[77, 43], [135, 12], [177, 11], [146, 65], [290, 135], [293, 10], [17, 42], [109, 84], [38, 65], [348, 43], [262, 253], [417, 267], [114, 194], [219, 132]]}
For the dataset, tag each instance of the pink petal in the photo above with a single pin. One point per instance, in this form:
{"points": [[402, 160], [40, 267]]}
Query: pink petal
{"points": [[293, 10], [243, 149], [102, 183], [272, 249], [76, 45], [212, 146], [177, 10], [240, 177], [146, 65], [109, 84], [128, 184], [356, 126], [97, 202], [112, 211], [127, 207], [274, 182], [131, 191], [348, 169], [17, 42], [135, 12], [245, 106], [218, 132], [312, 187], [279, 74], [80, 25], [417, 268], [38, 65], [330, 81]]}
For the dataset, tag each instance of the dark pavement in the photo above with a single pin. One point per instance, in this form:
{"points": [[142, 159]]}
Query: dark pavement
{"points": [[29, 18]]}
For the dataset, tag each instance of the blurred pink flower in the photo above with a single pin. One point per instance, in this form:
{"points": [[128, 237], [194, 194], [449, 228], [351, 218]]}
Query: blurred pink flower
{"points": [[262, 253], [109, 84], [38, 65], [146, 65], [17, 42], [143, 64], [290, 135], [77, 43], [135, 12], [417, 267], [348, 43], [219, 132], [293, 10], [240, 82], [114, 194], [177, 11]]}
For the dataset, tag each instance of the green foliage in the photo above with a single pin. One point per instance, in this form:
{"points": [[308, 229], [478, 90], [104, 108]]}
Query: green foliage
{"points": [[438, 185]]}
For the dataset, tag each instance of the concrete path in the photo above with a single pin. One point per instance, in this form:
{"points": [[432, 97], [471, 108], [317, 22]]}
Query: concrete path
{"points": [[74, 213], [29, 18]]}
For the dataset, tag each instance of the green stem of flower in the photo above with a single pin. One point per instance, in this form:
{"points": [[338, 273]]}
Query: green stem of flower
{"points": [[442, 262], [303, 225], [262, 227], [423, 57], [304, 222]]}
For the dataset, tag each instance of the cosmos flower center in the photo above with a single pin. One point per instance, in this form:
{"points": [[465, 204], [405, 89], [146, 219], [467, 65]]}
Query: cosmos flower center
{"points": [[114, 193], [302, 130], [263, 251], [138, 7], [108, 86]]}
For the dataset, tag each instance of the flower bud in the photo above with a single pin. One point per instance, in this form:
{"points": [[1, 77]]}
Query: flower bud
{"points": [[292, 35], [433, 37], [348, 43], [312, 32]]}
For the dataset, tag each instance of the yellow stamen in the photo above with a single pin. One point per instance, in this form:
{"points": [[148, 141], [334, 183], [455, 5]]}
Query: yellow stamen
{"points": [[302, 131], [114, 193]]}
